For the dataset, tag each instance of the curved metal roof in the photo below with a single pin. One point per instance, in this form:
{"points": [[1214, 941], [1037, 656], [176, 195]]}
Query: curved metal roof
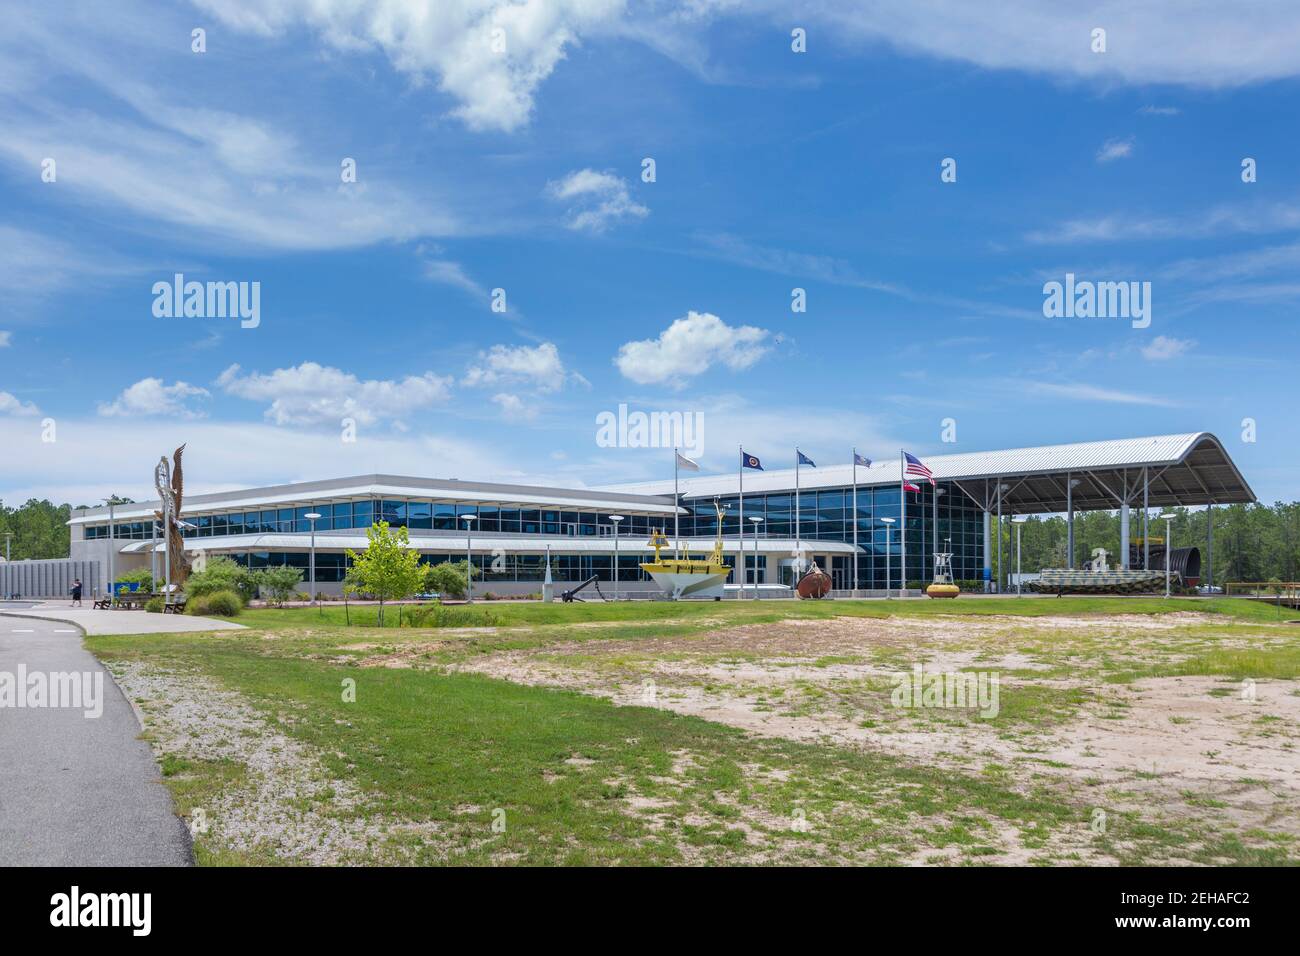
{"points": [[1187, 469]]}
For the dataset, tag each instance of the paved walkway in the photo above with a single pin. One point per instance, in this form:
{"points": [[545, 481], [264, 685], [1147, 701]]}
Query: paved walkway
{"points": [[111, 622], [78, 790]]}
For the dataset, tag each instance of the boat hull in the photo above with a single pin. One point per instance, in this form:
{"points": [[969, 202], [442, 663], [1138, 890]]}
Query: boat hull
{"points": [[679, 584]]}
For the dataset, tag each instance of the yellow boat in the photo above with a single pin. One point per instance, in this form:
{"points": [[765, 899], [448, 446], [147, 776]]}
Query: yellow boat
{"points": [[683, 577]]}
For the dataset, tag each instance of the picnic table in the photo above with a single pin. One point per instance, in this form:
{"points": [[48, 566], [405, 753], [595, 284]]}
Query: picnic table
{"points": [[123, 601]]}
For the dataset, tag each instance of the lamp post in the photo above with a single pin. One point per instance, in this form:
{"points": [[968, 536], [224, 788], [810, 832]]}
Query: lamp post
{"points": [[312, 517], [1002, 573], [757, 520], [1069, 519], [469, 567], [9, 536], [1168, 519], [1018, 520], [934, 530], [888, 523], [112, 536], [615, 519]]}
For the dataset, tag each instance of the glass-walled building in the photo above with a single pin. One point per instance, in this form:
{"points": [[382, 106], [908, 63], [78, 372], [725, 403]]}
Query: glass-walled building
{"points": [[509, 530], [828, 515]]}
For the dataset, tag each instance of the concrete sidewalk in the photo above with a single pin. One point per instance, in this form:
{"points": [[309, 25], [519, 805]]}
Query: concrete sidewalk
{"points": [[78, 789], [112, 622]]}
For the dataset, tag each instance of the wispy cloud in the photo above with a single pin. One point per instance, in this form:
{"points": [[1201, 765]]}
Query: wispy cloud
{"points": [[1114, 149], [1078, 391], [1163, 348], [600, 200]]}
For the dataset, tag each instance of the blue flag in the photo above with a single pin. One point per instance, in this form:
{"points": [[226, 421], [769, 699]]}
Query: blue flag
{"points": [[804, 459], [859, 460], [749, 461]]}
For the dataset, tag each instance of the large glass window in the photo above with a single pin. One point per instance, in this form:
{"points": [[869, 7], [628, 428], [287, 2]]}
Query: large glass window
{"points": [[419, 514]]}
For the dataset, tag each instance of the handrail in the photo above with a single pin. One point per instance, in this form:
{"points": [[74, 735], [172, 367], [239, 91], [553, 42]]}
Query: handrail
{"points": [[1287, 589]]}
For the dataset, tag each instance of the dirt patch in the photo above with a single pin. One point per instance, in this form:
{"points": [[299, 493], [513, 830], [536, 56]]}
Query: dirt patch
{"points": [[1167, 745]]}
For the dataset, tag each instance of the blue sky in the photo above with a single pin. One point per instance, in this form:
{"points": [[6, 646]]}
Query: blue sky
{"points": [[480, 169]]}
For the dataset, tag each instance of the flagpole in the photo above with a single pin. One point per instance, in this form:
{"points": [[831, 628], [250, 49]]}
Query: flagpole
{"points": [[740, 554], [677, 528], [798, 549], [855, 522], [902, 525]]}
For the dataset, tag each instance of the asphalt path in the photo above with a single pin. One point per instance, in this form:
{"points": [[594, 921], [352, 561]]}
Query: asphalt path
{"points": [[77, 790]]}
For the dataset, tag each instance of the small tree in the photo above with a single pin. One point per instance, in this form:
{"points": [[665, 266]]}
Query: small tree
{"points": [[448, 578], [280, 581], [143, 575], [389, 568], [222, 574]]}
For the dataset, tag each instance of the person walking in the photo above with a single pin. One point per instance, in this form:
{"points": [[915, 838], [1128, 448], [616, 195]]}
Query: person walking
{"points": [[76, 593]]}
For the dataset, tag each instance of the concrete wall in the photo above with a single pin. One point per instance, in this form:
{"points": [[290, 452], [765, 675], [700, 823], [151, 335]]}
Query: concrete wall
{"points": [[51, 579]]}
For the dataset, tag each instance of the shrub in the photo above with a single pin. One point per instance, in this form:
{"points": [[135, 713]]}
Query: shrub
{"points": [[217, 604], [279, 582], [435, 615], [447, 580], [222, 574], [154, 605]]}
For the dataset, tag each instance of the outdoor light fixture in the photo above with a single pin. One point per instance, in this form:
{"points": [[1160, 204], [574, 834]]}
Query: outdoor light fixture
{"points": [[888, 523], [616, 519], [312, 517], [1169, 551], [757, 519], [469, 568], [1018, 520]]}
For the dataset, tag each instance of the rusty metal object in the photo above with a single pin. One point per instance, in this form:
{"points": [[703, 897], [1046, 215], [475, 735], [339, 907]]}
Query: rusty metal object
{"points": [[815, 583]]}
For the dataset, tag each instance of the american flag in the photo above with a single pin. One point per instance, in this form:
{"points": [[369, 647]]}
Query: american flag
{"points": [[917, 468]]}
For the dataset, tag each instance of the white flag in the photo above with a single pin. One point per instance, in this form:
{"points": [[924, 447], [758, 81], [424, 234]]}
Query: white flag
{"points": [[684, 462]]}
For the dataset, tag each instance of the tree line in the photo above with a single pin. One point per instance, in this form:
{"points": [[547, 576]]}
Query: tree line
{"points": [[1251, 542]]}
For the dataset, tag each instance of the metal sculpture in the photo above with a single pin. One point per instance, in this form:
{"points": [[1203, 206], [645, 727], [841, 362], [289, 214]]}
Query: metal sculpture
{"points": [[170, 483], [815, 583]]}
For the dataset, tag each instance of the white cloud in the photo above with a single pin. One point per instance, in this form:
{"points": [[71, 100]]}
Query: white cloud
{"points": [[154, 148], [515, 408], [96, 456], [1114, 149], [1160, 111], [1249, 218], [1204, 45], [1094, 393], [446, 272], [1163, 347], [6, 339], [9, 405], [450, 41], [602, 199], [539, 367], [150, 396], [310, 394], [689, 347]]}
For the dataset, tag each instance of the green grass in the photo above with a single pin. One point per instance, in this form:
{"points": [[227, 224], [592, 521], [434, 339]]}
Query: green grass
{"points": [[581, 781], [508, 614]]}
